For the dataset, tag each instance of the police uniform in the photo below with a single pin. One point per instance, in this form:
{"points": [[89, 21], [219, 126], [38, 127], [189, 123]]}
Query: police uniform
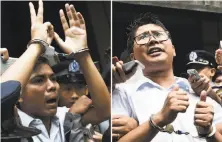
{"points": [[11, 128]]}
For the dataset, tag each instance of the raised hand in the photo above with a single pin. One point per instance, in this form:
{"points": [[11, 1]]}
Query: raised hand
{"points": [[81, 105], [39, 30], [176, 101], [218, 56], [204, 115], [202, 84], [75, 34]]}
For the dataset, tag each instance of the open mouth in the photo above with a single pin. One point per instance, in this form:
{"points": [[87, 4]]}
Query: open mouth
{"points": [[154, 50], [51, 101]]}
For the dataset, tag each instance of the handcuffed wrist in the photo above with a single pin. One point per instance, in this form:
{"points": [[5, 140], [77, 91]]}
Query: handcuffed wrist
{"points": [[73, 54], [210, 134], [155, 126], [42, 43]]}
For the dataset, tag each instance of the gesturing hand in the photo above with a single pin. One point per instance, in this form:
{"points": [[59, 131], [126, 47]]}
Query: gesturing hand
{"points": [[203, 116], [38, 29], [81, 105], [176, 101], [75, 34], [202, 84], [121, 125]]}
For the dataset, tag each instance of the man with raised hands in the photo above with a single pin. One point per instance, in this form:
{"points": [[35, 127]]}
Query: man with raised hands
{"points": [[37, 105]]}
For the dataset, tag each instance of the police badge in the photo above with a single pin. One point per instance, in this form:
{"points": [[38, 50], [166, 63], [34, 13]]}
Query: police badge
{"points": [[193, 56]]}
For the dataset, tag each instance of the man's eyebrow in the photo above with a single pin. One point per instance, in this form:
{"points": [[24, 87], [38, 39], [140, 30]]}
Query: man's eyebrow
{"points": [[38, 75]]}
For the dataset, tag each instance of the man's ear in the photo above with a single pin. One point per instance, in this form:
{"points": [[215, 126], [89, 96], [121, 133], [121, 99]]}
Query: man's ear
{"points": [[212, 71], [174, 54], [132, 56]]}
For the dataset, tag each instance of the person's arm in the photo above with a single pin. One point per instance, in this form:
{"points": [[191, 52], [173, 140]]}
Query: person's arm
{"points": [[73, 127], [76, 41], [22, 68], [176, 101]]}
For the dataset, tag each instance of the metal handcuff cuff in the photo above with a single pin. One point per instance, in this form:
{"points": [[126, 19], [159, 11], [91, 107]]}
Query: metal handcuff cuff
{"points": [[38, 41], [169, 129], [72, 55]]}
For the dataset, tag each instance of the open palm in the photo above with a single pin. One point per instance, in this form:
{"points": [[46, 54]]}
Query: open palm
{"points": [[75, 34]]}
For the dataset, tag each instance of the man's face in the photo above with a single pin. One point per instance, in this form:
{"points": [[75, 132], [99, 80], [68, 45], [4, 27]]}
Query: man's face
{"points": [[40, 95], [155, 54], [218, 80], [207, 71], [70, 93]]}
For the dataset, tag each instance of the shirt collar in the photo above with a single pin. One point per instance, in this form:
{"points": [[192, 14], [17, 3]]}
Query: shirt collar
{"points": [[182, 82], [25, 118]]}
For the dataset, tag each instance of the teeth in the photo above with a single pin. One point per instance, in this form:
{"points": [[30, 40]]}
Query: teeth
{"points": [[154, 50], [51, 101]]}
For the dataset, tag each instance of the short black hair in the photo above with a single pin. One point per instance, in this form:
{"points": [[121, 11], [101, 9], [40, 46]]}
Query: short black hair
{"points": [[142, 19], [40, 60]]}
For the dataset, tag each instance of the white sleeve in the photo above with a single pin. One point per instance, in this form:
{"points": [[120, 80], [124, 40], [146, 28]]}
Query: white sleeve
{"points": [[121, 103], [217, 113]]}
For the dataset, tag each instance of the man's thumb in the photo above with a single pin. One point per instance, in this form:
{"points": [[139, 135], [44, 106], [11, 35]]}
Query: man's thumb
{"points": [[203, 96], [175, 88]]}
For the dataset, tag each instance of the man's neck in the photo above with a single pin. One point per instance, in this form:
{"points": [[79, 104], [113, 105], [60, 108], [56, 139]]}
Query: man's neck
{"points": [[164, 78], [47, 122]]}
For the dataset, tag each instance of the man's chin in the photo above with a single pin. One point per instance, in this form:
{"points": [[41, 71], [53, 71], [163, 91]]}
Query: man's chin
{"points": [[51, 112]]}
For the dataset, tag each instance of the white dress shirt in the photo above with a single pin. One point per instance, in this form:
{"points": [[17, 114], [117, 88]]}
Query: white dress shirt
{"points": [[56, 130], [141, 97]]}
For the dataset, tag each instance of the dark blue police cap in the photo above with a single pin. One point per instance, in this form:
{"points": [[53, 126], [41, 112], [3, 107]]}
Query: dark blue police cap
{"points": [[11, 129], [201, 57]]}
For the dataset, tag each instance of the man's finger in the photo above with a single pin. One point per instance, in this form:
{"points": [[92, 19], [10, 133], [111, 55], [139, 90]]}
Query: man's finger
{"points": [[74, 15], [81, 21], [69, 14], [120, 71], [118, 130], [198, 83], [59, 41], [32, 13], [202, 123], [40, 12], [63, 20], [203, 96], [118, 122], [115, 75], [175, 88]]}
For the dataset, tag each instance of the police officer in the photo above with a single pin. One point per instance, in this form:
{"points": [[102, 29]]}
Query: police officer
{"points": [[204, 63]]}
